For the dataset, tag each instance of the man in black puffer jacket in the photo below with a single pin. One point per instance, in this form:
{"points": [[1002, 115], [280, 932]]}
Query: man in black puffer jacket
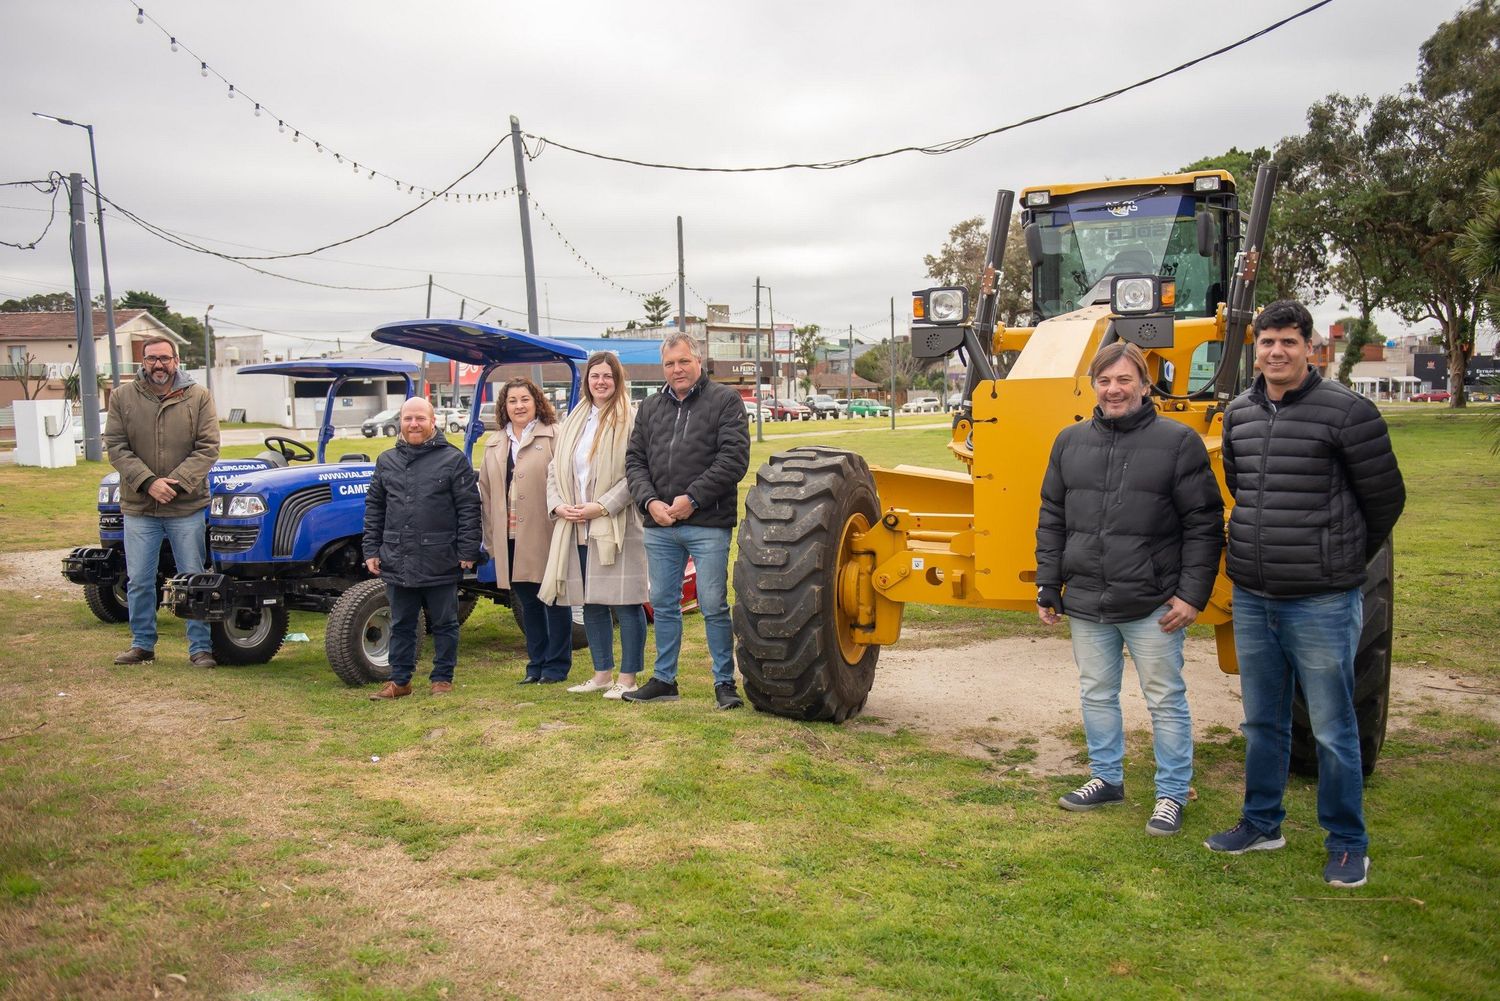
{"points": [[1128, 542], [422, 530], [1317, 493], [687, 453]]}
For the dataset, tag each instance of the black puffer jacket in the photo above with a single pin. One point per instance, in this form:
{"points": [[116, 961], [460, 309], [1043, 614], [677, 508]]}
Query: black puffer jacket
{"points": [[422, 513], [1131, 515], [1315, 487], [699, 446]]}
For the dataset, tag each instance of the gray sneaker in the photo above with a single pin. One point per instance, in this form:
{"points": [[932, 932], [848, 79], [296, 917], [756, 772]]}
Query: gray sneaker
{"points": [[1091, 795], [1166, 819], [1242, 838]]}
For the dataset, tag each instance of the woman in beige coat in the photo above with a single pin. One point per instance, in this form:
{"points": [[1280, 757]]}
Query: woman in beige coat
{"points": [[517, 528], [598, 552]]}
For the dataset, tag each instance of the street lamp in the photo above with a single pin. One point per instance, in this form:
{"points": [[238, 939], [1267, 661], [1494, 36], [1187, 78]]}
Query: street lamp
{"points": [[208, 356], [759, 431], [109, 300]]}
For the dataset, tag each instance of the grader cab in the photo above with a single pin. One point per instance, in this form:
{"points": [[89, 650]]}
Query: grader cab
{"points": [[831, 550]]}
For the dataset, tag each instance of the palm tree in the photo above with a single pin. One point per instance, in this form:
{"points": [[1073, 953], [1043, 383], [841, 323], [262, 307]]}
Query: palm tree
{"points": [[1478, 250]]}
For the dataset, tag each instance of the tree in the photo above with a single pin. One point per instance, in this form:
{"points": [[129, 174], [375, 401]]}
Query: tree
{"points": [[657, 310], [1358, 331], [189, 327], [805, 344], [961, 261], [25, 371], [875, 366], [1478, 246], [46, 302]]}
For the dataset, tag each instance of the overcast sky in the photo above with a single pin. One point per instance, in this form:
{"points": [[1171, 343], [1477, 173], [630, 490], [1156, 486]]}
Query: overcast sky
{"points": [[420, 91]]}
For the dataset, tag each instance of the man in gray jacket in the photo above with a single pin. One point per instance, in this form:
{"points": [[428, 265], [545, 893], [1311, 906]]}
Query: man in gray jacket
{"points": [[1127, 543], [163, 437]]}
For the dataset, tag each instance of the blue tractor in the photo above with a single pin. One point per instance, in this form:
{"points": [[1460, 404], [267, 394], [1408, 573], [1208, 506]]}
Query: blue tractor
{"points": [[101, 569], [290, 538]]}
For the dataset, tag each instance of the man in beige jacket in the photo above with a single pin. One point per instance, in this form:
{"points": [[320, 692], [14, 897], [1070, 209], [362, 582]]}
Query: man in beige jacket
{"points": [[163, 437]]}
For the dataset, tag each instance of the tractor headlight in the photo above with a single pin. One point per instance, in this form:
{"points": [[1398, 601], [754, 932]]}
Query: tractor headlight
{"points": [[104, 495], [216, 506], [1142, 294], [245, 506], [1207, 184], [946, 306], [1038, 199]]}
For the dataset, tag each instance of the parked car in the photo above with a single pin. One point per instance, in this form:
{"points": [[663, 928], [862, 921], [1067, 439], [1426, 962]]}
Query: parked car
{"points": [[789, 410], [383, 423], [765, 412], [823, 407], [76, 420], [843, 405], [868, 408], [925, 404], [1436, 396]]}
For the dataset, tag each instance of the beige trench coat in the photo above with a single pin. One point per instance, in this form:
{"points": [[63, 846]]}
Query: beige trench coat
{"points": [[626, 582], [533, 516]]}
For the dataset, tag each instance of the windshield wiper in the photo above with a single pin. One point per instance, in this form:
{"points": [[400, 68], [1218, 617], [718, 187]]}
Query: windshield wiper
{"points": [[1133, 198]]}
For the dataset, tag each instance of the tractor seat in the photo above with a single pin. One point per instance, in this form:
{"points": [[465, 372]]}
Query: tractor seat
{"points": [[354, 457], [273, 459]]}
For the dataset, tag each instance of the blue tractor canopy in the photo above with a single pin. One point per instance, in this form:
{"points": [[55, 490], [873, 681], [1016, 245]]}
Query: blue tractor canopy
{"points": [[339, 371]]}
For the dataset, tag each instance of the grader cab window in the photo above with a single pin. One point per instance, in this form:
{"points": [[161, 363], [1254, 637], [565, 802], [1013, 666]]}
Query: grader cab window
{"points": [[1088, 238]]}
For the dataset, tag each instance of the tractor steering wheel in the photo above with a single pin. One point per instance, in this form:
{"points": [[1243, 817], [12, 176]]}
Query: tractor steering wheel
{"points": [[291, 449]]}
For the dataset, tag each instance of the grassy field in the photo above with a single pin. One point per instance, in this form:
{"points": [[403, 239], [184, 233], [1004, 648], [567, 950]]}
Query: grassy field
{"points": [[267, 833]]}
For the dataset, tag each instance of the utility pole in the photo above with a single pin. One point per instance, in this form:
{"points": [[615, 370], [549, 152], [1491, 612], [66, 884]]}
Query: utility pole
{"points": [[849, 392], [682, 287], [83, 318], [771, 322], [208, 352], [759, 434], [892, 361], [518, 150]]}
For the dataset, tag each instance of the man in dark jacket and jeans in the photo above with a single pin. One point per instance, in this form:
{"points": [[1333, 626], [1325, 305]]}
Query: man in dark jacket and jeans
{"points": [[1317, 492], [1127, 543], [422, 530], [687, 453]]}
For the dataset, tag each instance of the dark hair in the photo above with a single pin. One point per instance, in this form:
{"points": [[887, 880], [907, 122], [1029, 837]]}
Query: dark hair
{"points": [[158, 339], [544, 411], [1111, 354], [1283, 314]]}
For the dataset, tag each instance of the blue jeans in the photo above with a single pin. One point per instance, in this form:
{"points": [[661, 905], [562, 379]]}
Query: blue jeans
{"points": [[1309, 642], [549, 629], [1099, 650], [441, 602], [143, 537], [600, 629], [667, 552]]}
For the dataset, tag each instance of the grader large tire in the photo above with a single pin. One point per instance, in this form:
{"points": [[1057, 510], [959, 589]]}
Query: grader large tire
{"points": [[108, 602], [1372, 676], [793, 641], [249, 636]]}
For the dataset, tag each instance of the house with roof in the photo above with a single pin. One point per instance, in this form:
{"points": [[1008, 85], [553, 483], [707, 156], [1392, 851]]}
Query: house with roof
{"points": [[39, 351]]}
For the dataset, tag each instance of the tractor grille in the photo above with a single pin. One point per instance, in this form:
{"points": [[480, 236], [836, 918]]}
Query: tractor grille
{"points": [[111, 523], [289, 518], [237, 539]]}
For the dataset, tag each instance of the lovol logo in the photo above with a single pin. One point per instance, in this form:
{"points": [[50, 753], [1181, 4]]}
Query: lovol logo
{"points": [[1120, 209]]}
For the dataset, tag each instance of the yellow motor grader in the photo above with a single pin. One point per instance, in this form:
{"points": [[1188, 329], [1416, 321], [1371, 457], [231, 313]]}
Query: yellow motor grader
{"points": [[831, 550]]}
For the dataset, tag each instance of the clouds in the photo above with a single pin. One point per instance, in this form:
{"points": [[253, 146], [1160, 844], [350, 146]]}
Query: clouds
{"points": [[421, 91]]}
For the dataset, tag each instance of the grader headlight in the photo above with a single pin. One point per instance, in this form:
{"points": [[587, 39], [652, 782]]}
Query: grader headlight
{"points": [[1139, 294], [944, 306]]}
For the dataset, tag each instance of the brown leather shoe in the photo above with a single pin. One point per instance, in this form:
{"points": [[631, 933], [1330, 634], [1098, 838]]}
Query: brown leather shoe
{"points": [[391, 690], [203, 659], [135, 655], [442, 687]]}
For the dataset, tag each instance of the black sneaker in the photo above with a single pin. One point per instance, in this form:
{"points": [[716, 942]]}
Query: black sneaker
{"points": [[1091, 795], [653, 691], [1346, 869], [727, 697], [1242, 838], [1166, 819]]}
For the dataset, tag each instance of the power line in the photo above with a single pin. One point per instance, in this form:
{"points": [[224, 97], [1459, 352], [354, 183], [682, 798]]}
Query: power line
{"points": [[937, 149], [51, 185], [585, 262]]}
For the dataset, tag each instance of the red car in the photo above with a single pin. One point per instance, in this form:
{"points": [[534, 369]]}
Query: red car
{"points": [[1436, 396]]}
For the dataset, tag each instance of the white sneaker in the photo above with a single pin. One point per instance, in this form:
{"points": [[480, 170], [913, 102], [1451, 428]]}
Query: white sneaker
{"points": [[589, 686], [617, 691]]}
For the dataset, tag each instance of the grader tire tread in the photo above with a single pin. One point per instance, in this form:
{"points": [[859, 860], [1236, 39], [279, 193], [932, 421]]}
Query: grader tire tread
{"points": [[785, 581]]}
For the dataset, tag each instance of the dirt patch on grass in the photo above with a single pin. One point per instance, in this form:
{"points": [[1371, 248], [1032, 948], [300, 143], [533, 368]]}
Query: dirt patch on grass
{"points": [[37, 573], [1015, 700]]}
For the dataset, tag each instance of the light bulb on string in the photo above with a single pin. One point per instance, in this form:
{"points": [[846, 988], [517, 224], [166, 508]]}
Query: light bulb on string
{"points": [[140, 15], [296, 135], [257, 111], [319, 146], [205, 69], [231, 92], [174, 43], [281, 126]]}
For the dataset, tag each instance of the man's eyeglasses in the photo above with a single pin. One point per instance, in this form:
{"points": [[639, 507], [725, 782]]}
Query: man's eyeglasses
{"points": [[159, 359]]}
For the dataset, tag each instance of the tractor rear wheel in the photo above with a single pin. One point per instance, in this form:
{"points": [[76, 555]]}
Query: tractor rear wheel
{"points": [[1372, 675], [794, 640], [249, 635], [108, 602], [358, 639]]}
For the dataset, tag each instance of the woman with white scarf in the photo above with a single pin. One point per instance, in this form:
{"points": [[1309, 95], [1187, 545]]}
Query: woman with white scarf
{"points": [[517, 526], [598, 553]]}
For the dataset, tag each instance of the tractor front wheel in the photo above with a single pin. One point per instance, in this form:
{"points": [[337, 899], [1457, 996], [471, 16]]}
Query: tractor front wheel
{"points": [[249, 635], [794, 639], [108, 602], [1372, 675]]}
